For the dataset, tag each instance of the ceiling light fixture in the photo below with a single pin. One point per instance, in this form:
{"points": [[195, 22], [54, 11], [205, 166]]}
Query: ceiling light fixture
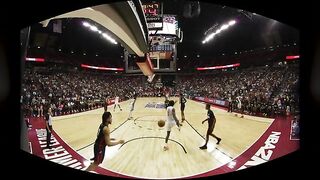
{"points": [[222, 28], [95, 29]]}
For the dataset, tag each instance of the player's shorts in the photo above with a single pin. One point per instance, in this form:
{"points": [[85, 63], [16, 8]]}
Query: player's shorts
{"points": [[169, 125], [99, 153], [210, 129], [182, 107]]}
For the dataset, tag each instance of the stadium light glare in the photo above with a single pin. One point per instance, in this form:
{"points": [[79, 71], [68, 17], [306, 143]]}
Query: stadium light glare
{"points": [[232, 22], [109, 38], [222, 28], [94, 28], [86, 24]]}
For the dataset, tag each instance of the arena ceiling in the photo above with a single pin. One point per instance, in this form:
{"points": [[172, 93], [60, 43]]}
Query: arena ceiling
{"points": [[251, 32]]}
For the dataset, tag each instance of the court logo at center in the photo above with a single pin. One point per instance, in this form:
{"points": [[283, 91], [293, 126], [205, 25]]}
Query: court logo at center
{"points": [[157, 105]]}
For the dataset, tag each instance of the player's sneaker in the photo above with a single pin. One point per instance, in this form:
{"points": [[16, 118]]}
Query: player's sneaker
{"points": [[203, 147], [219, 139], [165, 147]]}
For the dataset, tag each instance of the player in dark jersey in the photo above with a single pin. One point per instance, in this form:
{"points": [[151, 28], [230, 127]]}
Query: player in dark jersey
{"points": [[106, 103], [103, 140], [48, 119], [182, 106], [166, 100], [211, 123]]}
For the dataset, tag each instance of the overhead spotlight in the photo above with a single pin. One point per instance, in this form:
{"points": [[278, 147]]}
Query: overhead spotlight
{"points": [[232, 22], [224, 27], [94, 28], [86, 24]]}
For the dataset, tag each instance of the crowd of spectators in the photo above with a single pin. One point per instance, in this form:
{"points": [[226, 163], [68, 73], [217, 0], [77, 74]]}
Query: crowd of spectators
{"points": [[265, 91]]}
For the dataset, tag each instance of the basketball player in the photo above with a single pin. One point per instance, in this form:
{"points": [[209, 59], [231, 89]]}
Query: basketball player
{"points": [[48, 120], [239, 105], [116, 102], [40, 110], [103, 140], [171, 121], [135, 95], [106, 103], [211, 123], [230, 104], [166, 100], [182, 106]]}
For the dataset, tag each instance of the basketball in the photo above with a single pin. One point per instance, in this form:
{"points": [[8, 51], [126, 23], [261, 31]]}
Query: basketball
{"points": [[161, 123]]}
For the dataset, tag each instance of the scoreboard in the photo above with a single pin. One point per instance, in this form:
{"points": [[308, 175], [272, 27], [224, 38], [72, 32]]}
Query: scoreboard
{"points": [[152, 11]]}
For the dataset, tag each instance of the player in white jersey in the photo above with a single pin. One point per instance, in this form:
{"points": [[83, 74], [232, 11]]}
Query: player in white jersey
{"points": [[171, 121], [132, 103], [239, 105], [116, 102]]}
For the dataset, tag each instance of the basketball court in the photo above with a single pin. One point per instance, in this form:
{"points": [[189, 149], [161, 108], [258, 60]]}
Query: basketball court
{"points": [[142, 153], [149, 39]]}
